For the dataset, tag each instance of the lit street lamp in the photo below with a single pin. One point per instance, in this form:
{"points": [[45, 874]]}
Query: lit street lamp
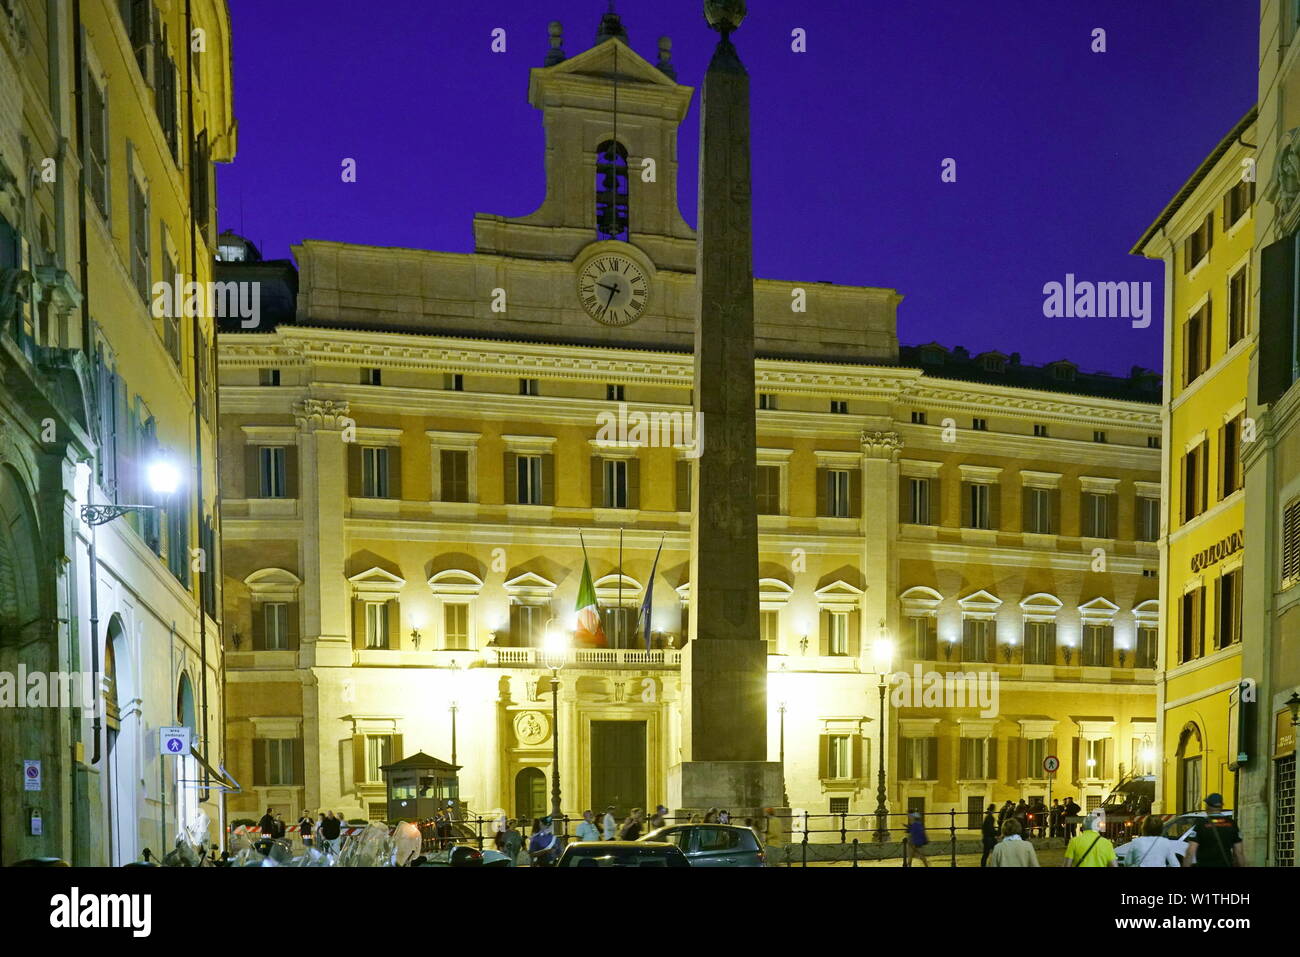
{"points": [[882, 653], [555, 647]]}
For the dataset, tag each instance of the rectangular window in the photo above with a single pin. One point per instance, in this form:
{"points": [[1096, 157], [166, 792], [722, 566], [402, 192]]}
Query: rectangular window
{"points": [[977, 759], [528, 476], [767, 400], [1035, 755], [613, 392], [374, 472], [279, 770], [918, 759], [1098, 436], [1228, 600], [918, 418], [1038, 511], [1238, 296], [1145, 654], [1237, 202], [454, 382], [97, 144], [201, 190], [1192, 633], [840, 406], [979, 425], [139, 238], [269, 377], [978, 500], [837, 492], [377, 624], [918, 506], [769, 623], [1148, 519], [1291, 544], [977, 643], [1197, 246], [1040, 431], [1196, 470], [1231, 476], [620, 626], [839, 805], [275, 620], [1040, 643], [1196, 344], [271, 467], [528, 387], [768, 482], [453, 467], [379, 751], [615, 472], [837, 641], [839, 756], [178, 538], [1096, 515], [923, 637], [1097, 646], [529, 625], [1153, 441], [455, 626]]}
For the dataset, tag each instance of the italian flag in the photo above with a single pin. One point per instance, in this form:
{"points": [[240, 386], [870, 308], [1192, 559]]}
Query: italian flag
{"points": [[588, 633]]}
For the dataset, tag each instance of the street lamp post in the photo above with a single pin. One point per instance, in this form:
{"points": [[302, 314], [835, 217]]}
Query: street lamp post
{"points": [[883, 654], [555, 647], [785, 798]]}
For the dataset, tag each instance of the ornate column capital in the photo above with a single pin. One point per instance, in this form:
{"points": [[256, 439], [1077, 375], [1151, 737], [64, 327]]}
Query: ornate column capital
{"points": [[327, 414], [882, 445]]}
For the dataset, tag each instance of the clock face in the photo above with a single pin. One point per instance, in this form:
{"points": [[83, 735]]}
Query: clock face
{"points": [[613, 289]]}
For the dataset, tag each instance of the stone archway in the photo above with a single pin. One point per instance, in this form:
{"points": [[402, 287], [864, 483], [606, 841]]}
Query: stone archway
{"points": [[1190, 770]]}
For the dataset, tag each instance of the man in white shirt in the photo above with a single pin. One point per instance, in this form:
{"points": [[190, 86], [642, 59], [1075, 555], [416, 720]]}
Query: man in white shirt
{"points": [[586, 827], [608, 824]]}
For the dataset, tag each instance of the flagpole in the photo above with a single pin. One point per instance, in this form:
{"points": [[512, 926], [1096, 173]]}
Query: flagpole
{"points": [[620, 583]]}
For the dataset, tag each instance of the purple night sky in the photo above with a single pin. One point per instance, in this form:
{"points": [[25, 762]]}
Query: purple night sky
{"points": [[1063, 156]]}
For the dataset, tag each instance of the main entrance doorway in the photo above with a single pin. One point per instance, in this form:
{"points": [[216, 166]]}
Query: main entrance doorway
{"points": [[618, 769], [530, 795]]}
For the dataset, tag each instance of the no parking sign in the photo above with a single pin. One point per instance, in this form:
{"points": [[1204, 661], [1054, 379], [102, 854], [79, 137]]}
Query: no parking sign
{"points": [[174, 741]]}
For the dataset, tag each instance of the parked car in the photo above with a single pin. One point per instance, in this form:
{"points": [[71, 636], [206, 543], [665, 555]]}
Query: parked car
{"points": [[640, 853], [713, 845], [458, 855]]}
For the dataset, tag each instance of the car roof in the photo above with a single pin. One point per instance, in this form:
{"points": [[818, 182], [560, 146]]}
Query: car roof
{"points": [[637, 845]]}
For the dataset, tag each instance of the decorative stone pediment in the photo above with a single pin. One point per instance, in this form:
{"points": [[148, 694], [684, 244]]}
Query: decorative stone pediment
{"points": [[773, 594], [1099, 611], [980, 604], [920, 601], [455, 581], [530, 588], [376, 584], [839, 595], [273, 584], [608, 593], [1147, 613], [1041, 607]]}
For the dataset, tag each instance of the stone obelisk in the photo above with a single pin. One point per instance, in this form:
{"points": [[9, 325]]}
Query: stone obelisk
{"points": [[724, 665]]}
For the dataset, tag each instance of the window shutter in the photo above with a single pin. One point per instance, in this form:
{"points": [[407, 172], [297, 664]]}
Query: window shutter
{"points": [[1052, 745], [936, 503], [597, 482], [1209, 231], [855, 493], [1107, 758], [965, 504], [354, 470], [823, 505], [259, 626], [634, 483], [1276, 306], [1027, 520], [395, 752], [905, 765], [358, 758], [548, 479], [1077, 756], [823, 756], [1108, 645], [995, 506], [1015, 758], [299, 771], [511, 470], [905, 500], [683, 485], [824, 634], [858, 771], [514, 626], [393, 616], [394, 489], [291, 626], [992, 746], [291, 471], [1051, 643], [259, 762], [932, 759], [855, 633], [358, 623]]}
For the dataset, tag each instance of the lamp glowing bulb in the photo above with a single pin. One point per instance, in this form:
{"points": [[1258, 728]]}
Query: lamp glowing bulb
{"points": [[164, 478]]}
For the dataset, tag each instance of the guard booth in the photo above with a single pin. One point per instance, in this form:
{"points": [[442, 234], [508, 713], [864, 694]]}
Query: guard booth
{"points": [[419, 786]]}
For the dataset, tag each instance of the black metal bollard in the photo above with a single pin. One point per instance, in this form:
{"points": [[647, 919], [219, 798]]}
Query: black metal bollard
{"points": [[855, 852]]}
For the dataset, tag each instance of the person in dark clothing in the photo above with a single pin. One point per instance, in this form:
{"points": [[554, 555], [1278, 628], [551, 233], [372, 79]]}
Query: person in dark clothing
{"points": [[330, 829], [281, 829], [1054, 819], [267, 824], [305, 829], [989, 831], [1071, 810], [1004, 813], [1214, 842]]}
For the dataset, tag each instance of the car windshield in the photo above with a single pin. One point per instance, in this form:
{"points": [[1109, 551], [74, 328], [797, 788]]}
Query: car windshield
{"points": [[721, 839], [598, 857]]}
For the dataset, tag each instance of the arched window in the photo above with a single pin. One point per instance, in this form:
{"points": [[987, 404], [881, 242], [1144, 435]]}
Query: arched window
{"points": [[611, 190], [187, 768], [1190, 771]]}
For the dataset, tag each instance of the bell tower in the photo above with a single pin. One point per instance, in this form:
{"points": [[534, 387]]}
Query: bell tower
{"points": [[611, 119]]}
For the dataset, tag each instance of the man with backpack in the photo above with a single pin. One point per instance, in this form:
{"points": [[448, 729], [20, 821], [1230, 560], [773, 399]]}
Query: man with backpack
{"points": [[1214, 842]]}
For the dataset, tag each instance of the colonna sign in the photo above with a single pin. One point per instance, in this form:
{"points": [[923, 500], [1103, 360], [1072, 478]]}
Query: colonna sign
{"points": [[1218, 551]]}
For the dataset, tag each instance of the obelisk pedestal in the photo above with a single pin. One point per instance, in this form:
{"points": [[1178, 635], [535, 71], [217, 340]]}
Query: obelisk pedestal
{"points": [[724, 665]]}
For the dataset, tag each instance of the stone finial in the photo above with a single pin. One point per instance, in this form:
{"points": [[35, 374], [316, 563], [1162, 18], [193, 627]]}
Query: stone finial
{"points": [[665, 63], [610, 26], [725, 16], [556, 53]]}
